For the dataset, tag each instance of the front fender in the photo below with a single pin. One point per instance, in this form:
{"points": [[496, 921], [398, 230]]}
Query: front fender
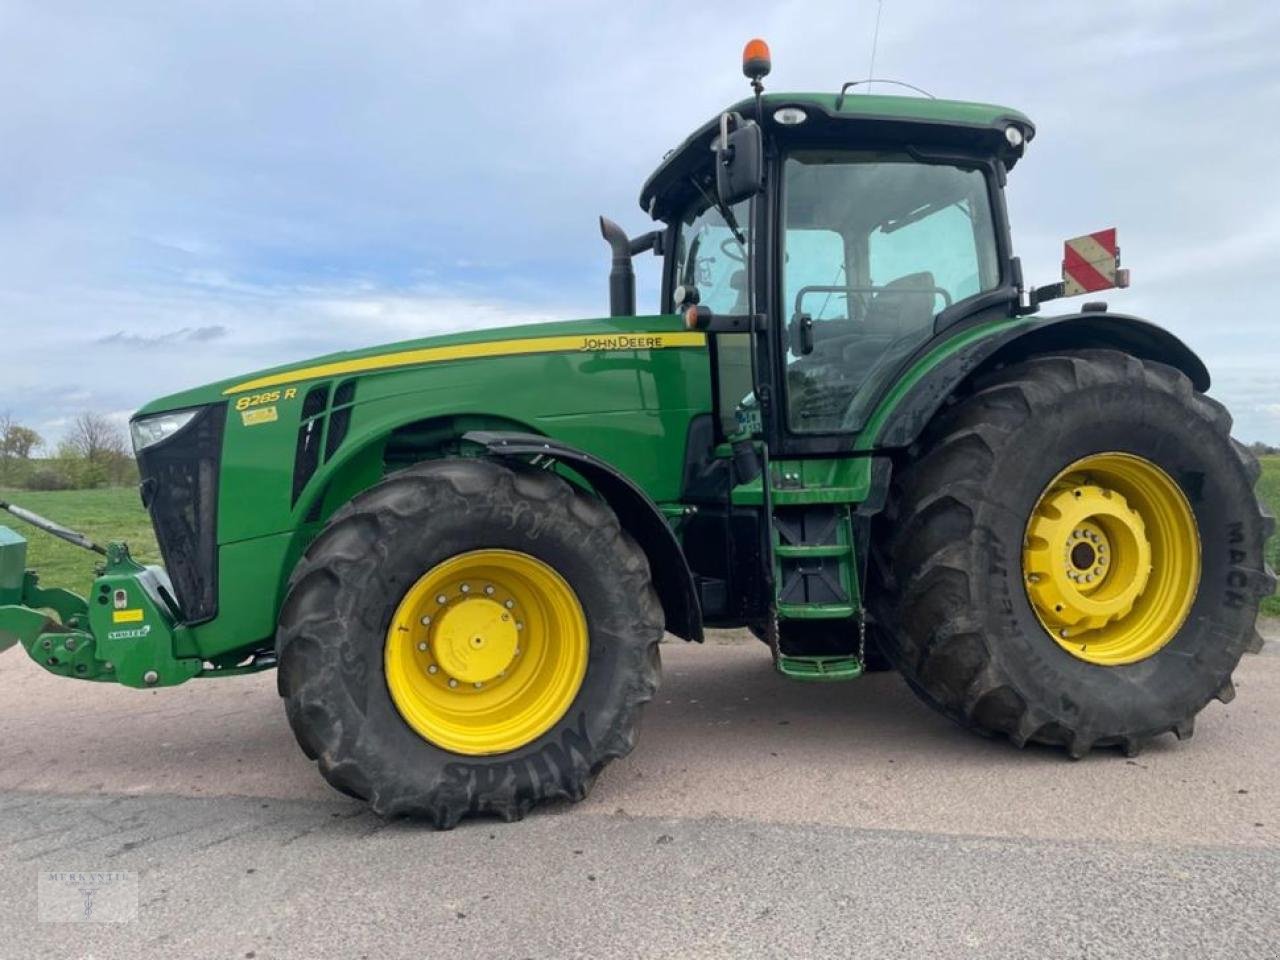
{"points": [[902, 417], [639, 516]]}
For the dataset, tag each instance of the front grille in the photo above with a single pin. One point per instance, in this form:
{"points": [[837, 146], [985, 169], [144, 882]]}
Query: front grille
{"points": [[180, 490]]}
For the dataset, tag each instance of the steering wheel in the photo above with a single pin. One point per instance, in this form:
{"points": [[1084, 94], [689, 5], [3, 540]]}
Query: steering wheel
{"points": [[729, 247]]}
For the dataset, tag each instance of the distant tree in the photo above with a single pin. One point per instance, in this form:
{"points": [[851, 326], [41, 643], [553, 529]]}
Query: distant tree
{"points": [[1260, 449], [94, 452], [16, 445], [94, 438], [18, 442]]}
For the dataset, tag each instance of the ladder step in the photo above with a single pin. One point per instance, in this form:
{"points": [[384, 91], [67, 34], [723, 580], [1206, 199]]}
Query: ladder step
{"points": [[816, 611], [823, 550], [820, 668]]}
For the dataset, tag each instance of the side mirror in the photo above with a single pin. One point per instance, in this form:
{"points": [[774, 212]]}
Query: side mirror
{"points": [[739, 159], [800, 335]]}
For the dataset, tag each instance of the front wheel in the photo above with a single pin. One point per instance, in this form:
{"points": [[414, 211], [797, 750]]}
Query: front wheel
{"points": [[1076, 557], [468, 638]]}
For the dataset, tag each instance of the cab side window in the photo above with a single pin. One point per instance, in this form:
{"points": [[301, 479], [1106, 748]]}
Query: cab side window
{"points": [[709, 256]]}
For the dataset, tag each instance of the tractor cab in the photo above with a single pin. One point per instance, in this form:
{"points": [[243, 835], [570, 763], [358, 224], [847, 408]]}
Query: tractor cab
{"points": [[848, 257], [823, 239]]}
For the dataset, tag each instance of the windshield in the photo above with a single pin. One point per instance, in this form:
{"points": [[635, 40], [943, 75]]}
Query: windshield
{"points": [[874, 247]]}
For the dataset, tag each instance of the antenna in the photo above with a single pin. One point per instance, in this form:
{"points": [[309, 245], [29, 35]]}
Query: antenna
{"points": [[875, 40], [869, 80]]}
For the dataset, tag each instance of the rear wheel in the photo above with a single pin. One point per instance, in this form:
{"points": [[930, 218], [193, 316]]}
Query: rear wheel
{"points": [[468, 638], [1076, 556]]}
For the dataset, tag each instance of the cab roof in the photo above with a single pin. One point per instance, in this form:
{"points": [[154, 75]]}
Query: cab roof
{"points": [[843, 121]]}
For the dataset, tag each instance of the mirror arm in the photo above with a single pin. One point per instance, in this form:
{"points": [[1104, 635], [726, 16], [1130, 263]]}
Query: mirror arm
{"points": [[704, 319], [647, 241], [1050, 291]]}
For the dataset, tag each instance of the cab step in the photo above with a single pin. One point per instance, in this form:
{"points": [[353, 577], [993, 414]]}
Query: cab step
{"points": [[820, 668]]}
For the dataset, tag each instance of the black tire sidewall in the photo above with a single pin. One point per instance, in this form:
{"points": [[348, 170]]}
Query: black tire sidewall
{"points": [[1154, 694], [434, 521]]}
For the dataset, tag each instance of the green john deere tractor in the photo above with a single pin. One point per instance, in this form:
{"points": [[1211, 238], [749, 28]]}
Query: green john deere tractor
{"points": [[848, 428]]}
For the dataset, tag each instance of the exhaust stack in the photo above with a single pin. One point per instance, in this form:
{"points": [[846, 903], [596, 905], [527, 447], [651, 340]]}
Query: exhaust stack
{"points": [[622, 277]]}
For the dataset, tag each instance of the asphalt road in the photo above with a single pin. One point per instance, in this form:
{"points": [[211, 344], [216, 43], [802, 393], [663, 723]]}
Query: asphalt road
{"points": [[757, 817]]}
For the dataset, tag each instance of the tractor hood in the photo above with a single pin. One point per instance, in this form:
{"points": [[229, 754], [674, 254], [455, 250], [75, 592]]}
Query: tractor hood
{"points": [[569, 336]]}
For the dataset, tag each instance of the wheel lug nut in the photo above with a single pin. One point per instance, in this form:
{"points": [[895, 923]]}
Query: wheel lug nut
{"points": [[442, 599], [453, 683], [478, 685], [432, 669], [519, 625], [510, 604], [465, 588], [489, 590], [423, 646], [426, 621]]}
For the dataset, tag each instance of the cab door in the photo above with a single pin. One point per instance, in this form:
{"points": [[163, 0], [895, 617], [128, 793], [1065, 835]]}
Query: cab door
{"points": [[725, 538], [872, 248]]}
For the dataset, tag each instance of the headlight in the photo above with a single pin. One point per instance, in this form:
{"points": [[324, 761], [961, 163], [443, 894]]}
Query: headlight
{"points": [[790, 116], [149, 431]]}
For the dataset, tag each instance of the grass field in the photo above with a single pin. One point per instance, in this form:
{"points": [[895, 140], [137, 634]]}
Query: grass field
{"points": [[1269, 490], [114, 513], [117, 514]]}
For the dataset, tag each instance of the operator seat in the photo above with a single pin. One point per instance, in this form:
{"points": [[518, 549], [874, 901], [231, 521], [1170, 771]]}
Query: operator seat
{"points": [[823, 383], [901, 310], [738, 284]]}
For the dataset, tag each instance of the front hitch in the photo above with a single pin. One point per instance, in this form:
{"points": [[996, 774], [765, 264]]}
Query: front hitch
{"points": [[128, 631], [22, 600]]}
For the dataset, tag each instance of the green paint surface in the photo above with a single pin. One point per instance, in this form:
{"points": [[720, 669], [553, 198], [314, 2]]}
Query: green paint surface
{"points": [[866, 440], [629, 407]]}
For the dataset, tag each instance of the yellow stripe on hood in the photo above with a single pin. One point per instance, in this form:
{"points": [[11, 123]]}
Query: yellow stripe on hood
{"points": [[592, 342]]}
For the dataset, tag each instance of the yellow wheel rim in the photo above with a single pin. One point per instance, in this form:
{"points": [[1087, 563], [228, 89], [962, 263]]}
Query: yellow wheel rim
{"points": [[1111, 558], [486, 652]]}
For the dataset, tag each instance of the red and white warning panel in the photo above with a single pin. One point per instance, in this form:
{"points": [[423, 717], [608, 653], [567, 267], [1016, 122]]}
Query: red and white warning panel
{"points": [[1092, 262]]}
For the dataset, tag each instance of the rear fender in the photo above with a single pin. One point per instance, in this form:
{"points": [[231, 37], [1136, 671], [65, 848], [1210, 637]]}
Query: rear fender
{"points": [[902, 424]]}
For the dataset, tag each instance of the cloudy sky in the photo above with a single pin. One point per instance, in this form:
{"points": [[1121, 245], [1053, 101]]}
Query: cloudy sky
{"points": [[194, 190]]}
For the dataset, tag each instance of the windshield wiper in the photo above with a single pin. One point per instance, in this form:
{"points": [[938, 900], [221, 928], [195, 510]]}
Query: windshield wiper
{"points": [[726, 214]]}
